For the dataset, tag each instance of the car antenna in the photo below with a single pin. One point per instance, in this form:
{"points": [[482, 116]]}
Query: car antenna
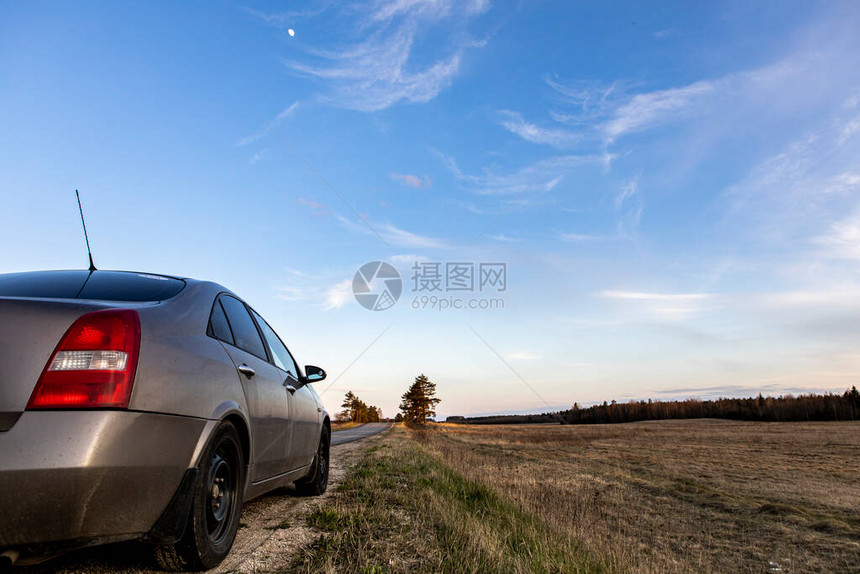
{"points": [[86, 238]]}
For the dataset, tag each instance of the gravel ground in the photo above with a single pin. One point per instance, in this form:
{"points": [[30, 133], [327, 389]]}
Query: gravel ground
{"points": [[272, 531]]}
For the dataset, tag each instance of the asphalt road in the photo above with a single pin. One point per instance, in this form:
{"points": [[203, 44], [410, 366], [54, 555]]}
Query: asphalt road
{"points": [[357, 433]]}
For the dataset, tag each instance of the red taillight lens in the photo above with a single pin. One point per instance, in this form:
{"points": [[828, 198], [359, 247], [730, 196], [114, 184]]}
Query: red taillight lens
{"points": [[94, 364]]}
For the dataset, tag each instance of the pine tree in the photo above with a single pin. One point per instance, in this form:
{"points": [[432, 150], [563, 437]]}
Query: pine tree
{"points": [[419, 402], [348, 405]]}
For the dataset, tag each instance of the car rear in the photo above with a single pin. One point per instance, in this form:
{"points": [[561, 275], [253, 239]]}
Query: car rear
{"points": [[78, 466]]}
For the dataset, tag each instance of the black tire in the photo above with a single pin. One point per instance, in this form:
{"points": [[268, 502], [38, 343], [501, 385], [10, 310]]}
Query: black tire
{"points": [[316, 482], [215, 511]]}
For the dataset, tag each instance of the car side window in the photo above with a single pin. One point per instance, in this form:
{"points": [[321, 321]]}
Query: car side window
{"points": [[244, 331], [280, 354], [218, 325]]}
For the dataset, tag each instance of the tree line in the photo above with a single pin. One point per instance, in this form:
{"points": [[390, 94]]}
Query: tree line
{"points": [[417, 405], [356, 410], [786, 408]]}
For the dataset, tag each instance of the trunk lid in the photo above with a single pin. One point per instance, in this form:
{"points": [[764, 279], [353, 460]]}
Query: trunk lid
{"points": [[30, 330]]}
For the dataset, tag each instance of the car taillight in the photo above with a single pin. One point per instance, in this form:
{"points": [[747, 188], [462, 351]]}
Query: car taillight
{"points": [[94, 364]]}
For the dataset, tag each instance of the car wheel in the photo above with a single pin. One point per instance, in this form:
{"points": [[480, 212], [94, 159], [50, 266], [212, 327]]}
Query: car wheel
{"points": [[317, 479], [214, 517]]}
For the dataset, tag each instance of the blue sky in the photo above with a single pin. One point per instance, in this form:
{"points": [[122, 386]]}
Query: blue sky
{"points": [[674, 187]]}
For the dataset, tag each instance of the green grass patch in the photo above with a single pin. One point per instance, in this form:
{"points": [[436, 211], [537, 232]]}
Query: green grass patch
{"points": [[402, 510]]}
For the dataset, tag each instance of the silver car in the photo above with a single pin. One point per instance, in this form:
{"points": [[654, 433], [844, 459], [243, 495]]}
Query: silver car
{"points": [[140, 406]]}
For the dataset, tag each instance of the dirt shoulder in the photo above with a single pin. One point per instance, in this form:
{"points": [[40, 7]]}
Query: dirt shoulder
{"points": [[274, 527], [272, 531]]}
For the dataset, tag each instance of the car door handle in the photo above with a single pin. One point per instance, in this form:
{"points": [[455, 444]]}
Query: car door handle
{"points": [[246, 370], [290, 387]]}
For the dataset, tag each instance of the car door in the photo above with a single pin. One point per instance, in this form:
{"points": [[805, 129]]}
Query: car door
{"points": [[304, 409], [305, 412], [268, 400]]}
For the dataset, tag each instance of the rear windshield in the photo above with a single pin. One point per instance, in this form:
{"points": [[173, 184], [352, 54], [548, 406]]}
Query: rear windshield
{"points": [[100, 285]]}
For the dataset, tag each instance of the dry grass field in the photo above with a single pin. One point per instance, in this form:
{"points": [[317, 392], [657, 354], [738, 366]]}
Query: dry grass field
{"points": [[653, 497], [677, 496]]}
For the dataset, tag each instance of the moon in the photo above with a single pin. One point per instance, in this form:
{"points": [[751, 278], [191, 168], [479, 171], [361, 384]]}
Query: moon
{"points": [[291, 32]]}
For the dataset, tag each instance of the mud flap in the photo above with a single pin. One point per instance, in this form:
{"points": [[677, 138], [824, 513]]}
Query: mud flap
{"points": [[170, 526]]}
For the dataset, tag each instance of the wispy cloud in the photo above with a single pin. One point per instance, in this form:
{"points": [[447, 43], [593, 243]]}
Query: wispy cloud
{"points": [[284, 20], [396, 236], [514, 122], [291, 293], [667, 306], [628, 205], [265, 131], [410, 180], [650, 109], [615, 110], [842, 239], [579, 237], [315, 205], [472, 208], [406, 258], [386, 10], [666, 33], [627, 191], [645, 296], [851, 128], [287, 112], [585, 102], [583, 107], [845, 298], [846, 182], [541, 176], [308, 289], [522, 356], [621, 109], [253, 137], [337, 295], [374, 75], [301, 286], [803, 199], [380, 69]]}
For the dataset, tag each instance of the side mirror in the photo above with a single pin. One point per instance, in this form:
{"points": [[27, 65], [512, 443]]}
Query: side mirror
{"points": [[314, 374]]}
